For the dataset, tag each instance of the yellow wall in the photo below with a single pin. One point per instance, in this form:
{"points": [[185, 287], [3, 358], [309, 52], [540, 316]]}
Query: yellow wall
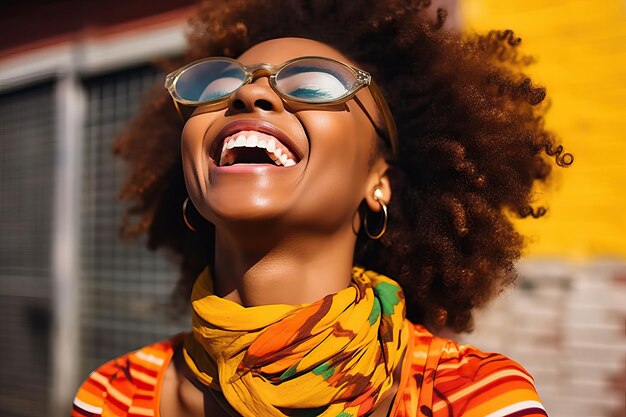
{"points": [[580, 48]]}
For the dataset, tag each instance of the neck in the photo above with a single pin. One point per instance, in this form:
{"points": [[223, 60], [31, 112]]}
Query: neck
{"points": [[282, 269]]}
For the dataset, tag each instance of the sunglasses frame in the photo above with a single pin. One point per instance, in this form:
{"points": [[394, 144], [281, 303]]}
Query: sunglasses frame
{"points": [[363, 79]]}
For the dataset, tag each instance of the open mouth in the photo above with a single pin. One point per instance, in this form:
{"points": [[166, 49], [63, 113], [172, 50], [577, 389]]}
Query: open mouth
{"points": [[253, 147]]}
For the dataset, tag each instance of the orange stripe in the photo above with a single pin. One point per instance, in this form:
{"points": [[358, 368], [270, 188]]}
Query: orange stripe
{"points": [[141, 411], [112, 391], [143, 402], [91, 398], [405, 373], [481, 409], [143, 377], [478, 385], [112, 410], [452, 366], [145, 360], [499, 383], [268, 343], [496, 391], [139, 367], [91, 389]]}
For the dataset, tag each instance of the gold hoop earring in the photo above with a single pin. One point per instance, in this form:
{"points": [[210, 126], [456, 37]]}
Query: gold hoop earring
{"points": [[378, 196], [189, 226]]}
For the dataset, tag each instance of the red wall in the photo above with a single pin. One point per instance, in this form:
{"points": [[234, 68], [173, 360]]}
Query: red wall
{"points": [[32, 24]]}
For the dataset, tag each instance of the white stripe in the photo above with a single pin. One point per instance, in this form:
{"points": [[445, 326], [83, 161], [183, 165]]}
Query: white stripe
{"points": [[516, 407], [103, 380], [143, 377], [449, 350], [87, 407], [142, 411], [418, 354], [149, 358], [111, 390], [453, 365], [478, 385]]}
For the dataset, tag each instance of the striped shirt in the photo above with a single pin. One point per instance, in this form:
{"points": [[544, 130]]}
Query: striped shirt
{"points": [[440, 378]]}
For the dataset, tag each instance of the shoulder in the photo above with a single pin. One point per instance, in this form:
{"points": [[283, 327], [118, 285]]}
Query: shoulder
{"points": [[448, 378], [128, 384]]}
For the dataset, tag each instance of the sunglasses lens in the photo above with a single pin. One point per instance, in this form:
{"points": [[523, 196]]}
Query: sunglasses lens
{"points": [[209, 81], [315, 80]]}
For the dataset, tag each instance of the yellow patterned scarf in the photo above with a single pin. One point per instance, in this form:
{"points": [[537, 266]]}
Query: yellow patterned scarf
{"points": [[334, 357]]}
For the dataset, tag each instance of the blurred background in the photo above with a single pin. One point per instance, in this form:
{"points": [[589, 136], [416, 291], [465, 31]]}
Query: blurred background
{"points": [[73, 295]]}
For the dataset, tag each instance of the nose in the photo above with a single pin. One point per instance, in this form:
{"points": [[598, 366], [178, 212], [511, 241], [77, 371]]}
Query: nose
{"points": [[255, 95]]}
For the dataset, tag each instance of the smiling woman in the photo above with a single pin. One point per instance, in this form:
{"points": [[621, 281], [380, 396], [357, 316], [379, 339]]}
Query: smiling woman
{"points": [[280, 150]]}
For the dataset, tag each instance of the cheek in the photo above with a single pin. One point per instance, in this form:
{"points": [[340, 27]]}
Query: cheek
{"points": [[342, 140], [338, 165], [194, 154]]}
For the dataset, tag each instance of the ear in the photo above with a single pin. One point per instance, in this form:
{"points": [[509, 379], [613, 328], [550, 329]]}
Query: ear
{"points": [[378, 179]]}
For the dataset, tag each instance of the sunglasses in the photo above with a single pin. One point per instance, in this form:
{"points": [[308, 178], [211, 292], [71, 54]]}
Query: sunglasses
{"points": [[308, 80]]}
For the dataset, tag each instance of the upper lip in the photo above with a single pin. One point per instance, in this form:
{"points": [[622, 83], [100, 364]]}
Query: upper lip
{"points": [[253, 125]]}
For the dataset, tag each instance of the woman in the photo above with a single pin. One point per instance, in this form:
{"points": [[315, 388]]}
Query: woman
{"points": [[295, 186]]}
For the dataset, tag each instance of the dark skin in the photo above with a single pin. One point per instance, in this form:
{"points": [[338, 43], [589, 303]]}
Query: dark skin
{"points": [[473, 144], [276, 223]]}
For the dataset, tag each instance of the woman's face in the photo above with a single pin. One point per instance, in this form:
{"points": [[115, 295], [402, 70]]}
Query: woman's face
{"points": [[330, 145]]}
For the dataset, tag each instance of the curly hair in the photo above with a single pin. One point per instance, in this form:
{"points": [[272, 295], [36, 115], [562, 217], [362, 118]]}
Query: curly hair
{"points": [[471, 144]]}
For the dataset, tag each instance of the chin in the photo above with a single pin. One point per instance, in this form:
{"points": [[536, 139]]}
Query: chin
{"points": [[245, 207]]}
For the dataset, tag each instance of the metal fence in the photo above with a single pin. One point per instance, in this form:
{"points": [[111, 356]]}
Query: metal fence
{"points": [[26, 183], [124, 289]]}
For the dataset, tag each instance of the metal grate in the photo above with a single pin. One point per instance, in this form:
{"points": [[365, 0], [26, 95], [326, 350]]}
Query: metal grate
{"points": [[27, 129], [125, 288]]}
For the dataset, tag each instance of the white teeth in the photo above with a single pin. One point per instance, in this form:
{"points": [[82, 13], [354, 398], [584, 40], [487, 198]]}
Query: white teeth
{"points": [[252, 141], [272, 147], [240, 141], [275, 159]]}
